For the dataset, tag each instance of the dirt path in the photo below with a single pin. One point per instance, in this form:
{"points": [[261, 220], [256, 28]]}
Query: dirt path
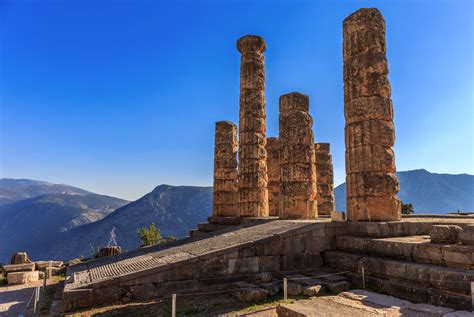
{"points": [[13, 299]]}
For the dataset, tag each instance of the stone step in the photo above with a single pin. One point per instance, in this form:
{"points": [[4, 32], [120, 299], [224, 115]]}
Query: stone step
{"points": [[414, 248], [428, 283], [407, 227]]}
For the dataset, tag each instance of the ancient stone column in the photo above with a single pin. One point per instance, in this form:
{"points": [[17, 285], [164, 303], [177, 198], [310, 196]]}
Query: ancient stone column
{"points": [[297, 159], [225, 195], [273, 165], [324, 179], [253, 194], [369, 134]]}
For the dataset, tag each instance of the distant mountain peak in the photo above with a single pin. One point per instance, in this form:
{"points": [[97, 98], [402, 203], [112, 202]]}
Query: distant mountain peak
{"points": [[428, 192]]}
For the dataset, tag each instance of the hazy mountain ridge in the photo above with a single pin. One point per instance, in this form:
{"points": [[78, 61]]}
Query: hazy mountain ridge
{"points": [[33, 222], [175, 210], [428, 192], [12, 190]]}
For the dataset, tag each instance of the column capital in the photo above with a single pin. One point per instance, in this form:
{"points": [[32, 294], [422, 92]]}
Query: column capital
{"points": [[251, 43]]}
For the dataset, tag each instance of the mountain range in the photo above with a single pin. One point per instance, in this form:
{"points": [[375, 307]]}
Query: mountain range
{"points": [[54, 221], [428, 192]]}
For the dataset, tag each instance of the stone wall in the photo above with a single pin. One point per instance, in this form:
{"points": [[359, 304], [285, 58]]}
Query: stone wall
{"points": [[273, 165], [369, 134], [225, 197], [324, 179], [253, 194], [297, 159], [292, 252]]}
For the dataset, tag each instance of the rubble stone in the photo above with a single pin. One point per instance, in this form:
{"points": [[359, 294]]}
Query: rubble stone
{"points": [[248, 292], [253, 178], [444, 233], [298, 191], [312, 290], [294, 289], [273, 165], [108, 251], [325, 184], [369, 134], [19, 258], [225, 192]]}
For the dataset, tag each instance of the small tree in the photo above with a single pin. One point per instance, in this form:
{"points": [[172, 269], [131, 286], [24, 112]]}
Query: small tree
{"points": [[150, 236], [407, 209]]}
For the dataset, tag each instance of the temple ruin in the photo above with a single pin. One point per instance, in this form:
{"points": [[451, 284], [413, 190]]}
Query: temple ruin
{"points": [[297, 159], [371, 183], [225, 195], [244, 251], [324, 179], [253, 193]]}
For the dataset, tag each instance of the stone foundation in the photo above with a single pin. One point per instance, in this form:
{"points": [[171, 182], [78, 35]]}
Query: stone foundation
{"points": [[276, 247]]}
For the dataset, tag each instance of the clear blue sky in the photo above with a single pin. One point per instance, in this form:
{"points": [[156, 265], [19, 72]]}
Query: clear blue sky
{"points": [[120, 96]]}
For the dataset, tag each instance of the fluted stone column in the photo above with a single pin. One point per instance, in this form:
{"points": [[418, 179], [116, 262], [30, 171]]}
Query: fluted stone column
{"points": [[225, 192], [273, 165], [369, 134], [324, 179], [253, 193], [297, 159]]}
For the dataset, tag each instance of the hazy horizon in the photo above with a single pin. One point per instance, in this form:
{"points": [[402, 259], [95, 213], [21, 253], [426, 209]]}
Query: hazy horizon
{"points": [[119, 98]]}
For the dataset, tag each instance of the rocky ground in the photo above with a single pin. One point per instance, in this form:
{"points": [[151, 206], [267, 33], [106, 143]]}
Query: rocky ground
{"points": [[356, 303], [13, 299]]}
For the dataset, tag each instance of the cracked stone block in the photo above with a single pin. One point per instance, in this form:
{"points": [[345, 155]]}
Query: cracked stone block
{"points": [[444, 233]]}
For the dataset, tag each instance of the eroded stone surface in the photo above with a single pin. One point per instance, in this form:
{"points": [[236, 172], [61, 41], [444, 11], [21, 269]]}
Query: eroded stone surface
{"points": [[108, 251], [253, 178], [19, 258], [324, 179], [225, 196], [273, 165], [15, 278], [444, 233], [466, 236], [249, 292], [369, 134], [298, 191]]}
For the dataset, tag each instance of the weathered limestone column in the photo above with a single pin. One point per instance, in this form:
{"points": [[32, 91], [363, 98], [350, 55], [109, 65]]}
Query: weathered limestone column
{"points": [[297, 159], [324, 179], [253, 193], [369, 134], [225, 195], [273, 165]]}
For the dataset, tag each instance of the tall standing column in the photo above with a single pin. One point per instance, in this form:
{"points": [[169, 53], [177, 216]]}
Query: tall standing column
{"points": [[297, 159], [253, 193], [225, 195], [324, 179], [273, 165], [369, 134]]}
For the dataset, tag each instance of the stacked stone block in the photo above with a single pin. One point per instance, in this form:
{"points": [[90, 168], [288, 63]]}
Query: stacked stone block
{"points": [[253, 178], [324, 179], [369, 134], [273, 165], [225, 192], [297, 159]]}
